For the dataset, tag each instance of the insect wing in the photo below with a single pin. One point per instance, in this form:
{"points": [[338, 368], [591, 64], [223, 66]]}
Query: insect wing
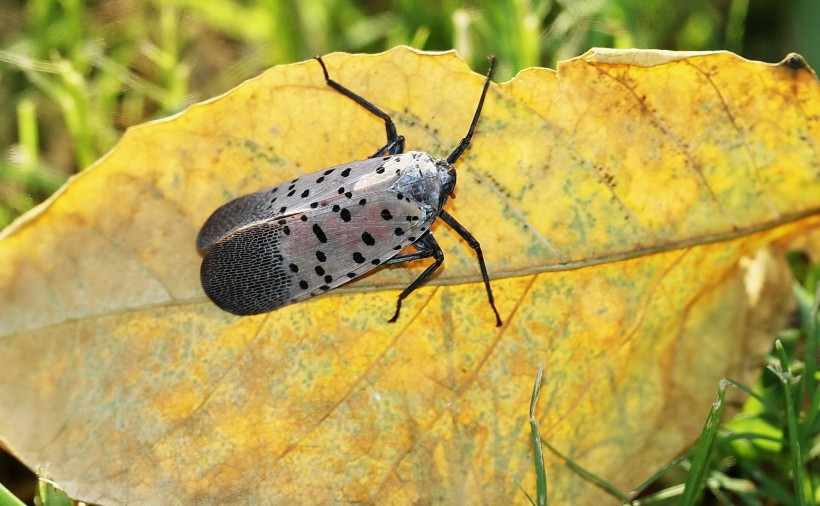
{"points": [[297, 196], [283, 260]]}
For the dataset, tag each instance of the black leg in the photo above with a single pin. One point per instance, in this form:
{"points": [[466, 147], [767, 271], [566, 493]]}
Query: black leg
{"points": [[391, 148], [467, 236], [395, 142], [423, 252], [427, 247]]}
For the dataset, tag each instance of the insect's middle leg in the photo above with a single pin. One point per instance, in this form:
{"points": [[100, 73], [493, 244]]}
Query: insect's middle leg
{"points": [[427, 247], [395, 142], [473, 242], [423, 252]]}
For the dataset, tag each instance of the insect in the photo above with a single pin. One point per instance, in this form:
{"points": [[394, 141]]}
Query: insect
{"points": [[317, 232]]}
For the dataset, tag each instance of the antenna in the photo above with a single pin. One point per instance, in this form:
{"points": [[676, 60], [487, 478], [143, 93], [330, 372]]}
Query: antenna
{"points": [[465, 142]]}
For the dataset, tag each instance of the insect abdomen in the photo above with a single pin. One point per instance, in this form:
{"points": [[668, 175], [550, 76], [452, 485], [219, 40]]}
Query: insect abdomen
{"points": [[244, 273]]}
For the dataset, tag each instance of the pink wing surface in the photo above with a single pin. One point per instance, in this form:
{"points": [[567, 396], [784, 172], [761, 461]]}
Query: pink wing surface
{"points": [[283, 260]]}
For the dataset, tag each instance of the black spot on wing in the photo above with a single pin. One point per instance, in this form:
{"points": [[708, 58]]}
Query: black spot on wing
{"points": [[320, 234]]}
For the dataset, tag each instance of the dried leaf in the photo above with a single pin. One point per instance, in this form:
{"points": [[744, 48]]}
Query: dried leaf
{"points": [[628, 206]]}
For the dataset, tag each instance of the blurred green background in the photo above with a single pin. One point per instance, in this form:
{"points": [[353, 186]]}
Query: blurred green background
{"points": [[74, 75]]}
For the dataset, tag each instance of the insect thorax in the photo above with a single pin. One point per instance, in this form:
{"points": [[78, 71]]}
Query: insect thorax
{"points": [[426, 180]]}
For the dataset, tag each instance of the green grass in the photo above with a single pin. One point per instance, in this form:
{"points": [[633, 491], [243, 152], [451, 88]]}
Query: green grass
{"points": [[7, 498]]}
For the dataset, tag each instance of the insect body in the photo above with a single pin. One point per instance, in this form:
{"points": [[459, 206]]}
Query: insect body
{"points": [[314, 233]]}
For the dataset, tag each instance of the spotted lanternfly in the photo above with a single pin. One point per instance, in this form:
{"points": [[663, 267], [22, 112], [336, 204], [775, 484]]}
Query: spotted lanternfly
{"points": [[317, 232]]}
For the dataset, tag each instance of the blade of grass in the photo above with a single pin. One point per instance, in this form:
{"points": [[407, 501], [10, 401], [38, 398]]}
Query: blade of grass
{"points": [[588, 476], [50, 494], [735, 25], [748, 436], [538, 450], [766, 402], [719, 482], [696, 478], [787, 378], [522, 489], [28, 134], [811, 329], [9, 499], [660, 496], [660, 472]]}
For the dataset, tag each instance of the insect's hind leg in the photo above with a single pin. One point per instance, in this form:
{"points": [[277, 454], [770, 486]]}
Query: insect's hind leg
{"points": [[427, 247], [395, 142]]}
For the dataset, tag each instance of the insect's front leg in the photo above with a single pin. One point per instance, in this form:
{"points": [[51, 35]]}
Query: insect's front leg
{"points": [[427, 247], [395, 147], [395, 142]]}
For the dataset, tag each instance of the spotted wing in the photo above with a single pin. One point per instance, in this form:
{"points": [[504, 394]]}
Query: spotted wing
{"points": [[276, 262], [304, 194]]}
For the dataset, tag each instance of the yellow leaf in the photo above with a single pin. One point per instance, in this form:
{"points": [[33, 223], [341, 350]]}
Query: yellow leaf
{"points": [[631, 207]]}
